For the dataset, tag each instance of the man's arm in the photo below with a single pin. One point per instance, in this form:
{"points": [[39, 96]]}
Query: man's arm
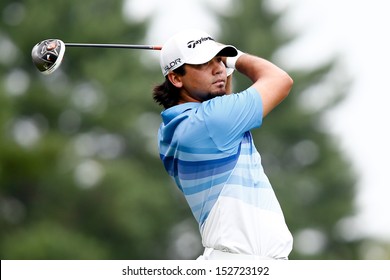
{"points": [[228, 87], [272, 83]]}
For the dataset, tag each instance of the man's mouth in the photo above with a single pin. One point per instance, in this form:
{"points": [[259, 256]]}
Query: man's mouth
{"points": [[219, 82]]}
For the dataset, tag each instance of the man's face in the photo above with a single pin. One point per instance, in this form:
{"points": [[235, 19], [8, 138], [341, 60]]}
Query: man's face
{"points": [[205, 81]]}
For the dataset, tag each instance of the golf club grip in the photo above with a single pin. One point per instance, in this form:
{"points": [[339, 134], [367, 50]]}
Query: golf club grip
{"points": [[114, 46]]}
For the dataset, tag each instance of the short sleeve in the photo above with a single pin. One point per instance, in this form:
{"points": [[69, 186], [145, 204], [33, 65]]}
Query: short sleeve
{"points": [[228, 117]]}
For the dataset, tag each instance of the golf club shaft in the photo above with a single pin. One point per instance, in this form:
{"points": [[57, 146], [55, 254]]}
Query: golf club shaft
{"points": [[114, 46]]}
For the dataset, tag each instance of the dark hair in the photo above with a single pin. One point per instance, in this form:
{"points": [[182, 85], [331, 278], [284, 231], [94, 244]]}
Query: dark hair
{"points": [[166, 94]]}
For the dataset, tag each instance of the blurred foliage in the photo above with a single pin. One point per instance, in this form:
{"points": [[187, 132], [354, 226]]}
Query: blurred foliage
{"points": [[80, 176], [313, 180]]}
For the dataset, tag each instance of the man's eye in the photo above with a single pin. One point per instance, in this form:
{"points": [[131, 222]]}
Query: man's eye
{"points": [[199, 66]]}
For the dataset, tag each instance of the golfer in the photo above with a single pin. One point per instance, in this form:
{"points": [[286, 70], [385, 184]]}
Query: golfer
{"points": [[207, 148]]}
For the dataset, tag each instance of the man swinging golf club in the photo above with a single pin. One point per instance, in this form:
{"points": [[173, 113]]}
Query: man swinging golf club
{"points": [[205, 141], [207, 148]]}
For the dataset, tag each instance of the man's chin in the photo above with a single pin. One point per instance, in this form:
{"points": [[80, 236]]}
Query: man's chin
{"points": [[213, 95]]}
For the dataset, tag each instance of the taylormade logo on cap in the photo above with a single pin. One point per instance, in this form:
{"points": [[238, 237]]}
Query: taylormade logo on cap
{"points": [[192, 44], [191, 47]]}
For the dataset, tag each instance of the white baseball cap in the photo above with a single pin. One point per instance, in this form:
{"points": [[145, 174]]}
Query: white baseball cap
{"points": [[191, 47]]}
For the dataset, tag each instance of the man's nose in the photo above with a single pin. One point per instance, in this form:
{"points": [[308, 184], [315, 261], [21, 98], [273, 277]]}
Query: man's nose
{"points": [[217, 65]]}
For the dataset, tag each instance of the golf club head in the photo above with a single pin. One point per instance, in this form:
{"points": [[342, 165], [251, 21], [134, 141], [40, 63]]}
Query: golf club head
{"points": [[47, 55]]}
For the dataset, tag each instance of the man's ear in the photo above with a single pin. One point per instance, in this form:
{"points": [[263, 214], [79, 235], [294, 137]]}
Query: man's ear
{"points": [[175, 79]]}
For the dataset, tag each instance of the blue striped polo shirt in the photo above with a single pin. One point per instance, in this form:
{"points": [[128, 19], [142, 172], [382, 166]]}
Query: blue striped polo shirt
{"points": [[200, 144], [208, 150]]}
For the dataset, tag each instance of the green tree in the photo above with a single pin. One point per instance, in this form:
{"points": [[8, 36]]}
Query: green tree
{"points": [[80, 176], [312, 178]]}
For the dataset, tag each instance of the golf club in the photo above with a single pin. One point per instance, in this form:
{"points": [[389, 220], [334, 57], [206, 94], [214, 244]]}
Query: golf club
{"points": [[47, 55]]}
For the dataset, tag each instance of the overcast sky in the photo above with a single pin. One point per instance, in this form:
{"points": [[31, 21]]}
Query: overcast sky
{"points": [[358, 31], [354, 30]]}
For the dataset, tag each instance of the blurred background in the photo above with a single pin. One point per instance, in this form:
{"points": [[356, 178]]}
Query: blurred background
{"points": [[80, 175]]}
